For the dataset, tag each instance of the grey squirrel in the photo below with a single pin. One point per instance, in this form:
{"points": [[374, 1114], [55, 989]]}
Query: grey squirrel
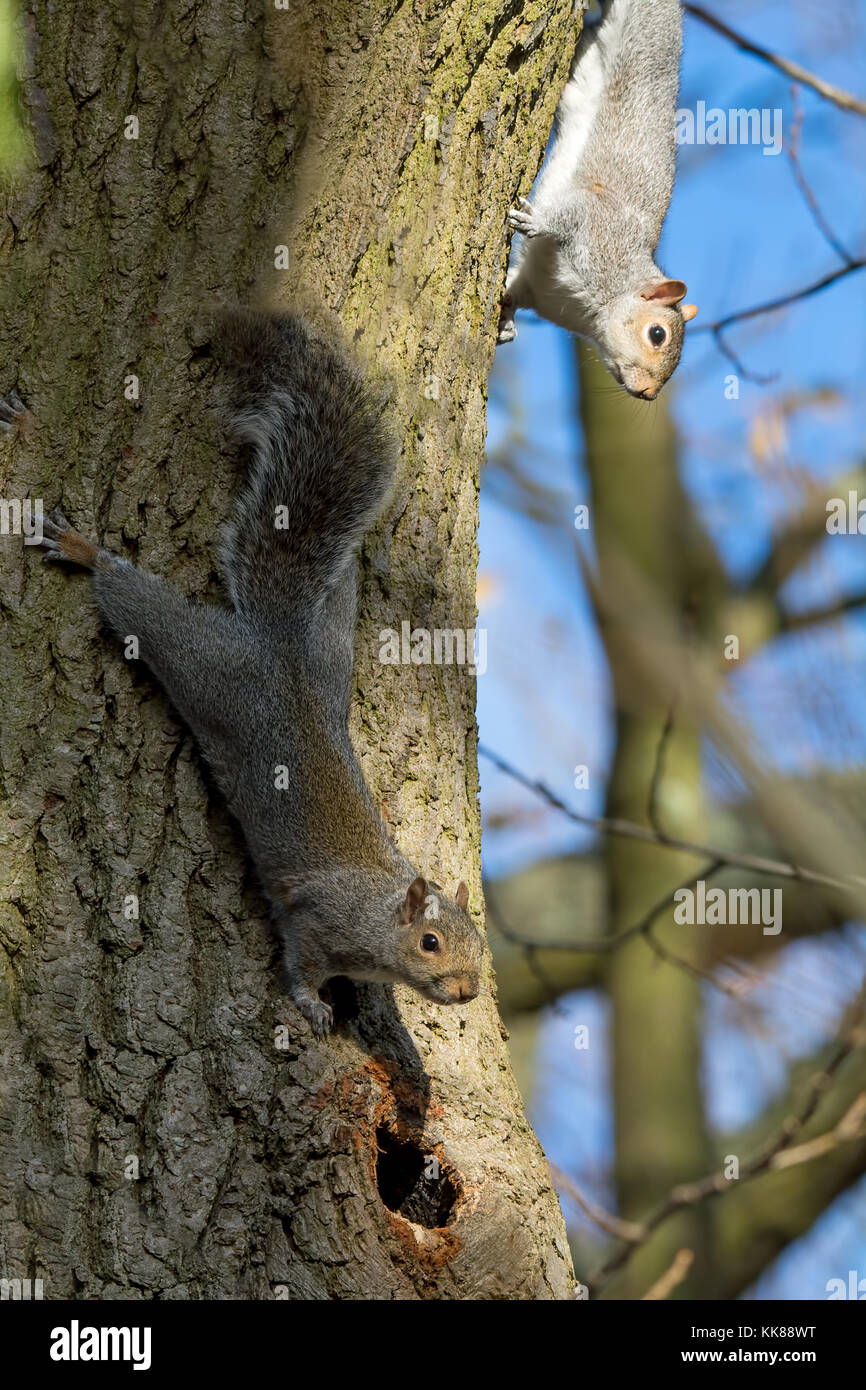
{"points": [[264, 685], [587, 260]]}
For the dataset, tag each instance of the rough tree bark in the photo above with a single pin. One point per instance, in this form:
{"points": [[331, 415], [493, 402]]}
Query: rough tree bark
{"points": [[156, 1142]]}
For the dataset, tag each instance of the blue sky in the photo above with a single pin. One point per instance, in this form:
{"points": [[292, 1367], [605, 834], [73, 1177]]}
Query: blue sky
{"points": [[740, 233]]}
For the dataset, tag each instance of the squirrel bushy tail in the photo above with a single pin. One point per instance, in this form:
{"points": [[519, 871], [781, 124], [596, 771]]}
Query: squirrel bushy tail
{"points": [[322, 462]]}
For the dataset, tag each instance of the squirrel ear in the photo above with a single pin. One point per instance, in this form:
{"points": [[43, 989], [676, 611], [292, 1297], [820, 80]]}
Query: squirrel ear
{"points": [[415, 895], [665, 292], [688, 312], [462, 896]]}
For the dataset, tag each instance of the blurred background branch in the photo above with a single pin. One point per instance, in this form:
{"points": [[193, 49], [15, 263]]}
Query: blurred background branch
{"points": [[677, 660], [824, 89]]}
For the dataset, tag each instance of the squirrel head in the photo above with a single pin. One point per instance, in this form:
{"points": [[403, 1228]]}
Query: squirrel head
{"points": [[438, 948], [643, 335]]}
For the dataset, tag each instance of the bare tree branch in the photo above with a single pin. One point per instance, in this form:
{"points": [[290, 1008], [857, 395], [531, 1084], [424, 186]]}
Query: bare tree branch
{"points": [[840, 98], [742, 370], [606, 944], [771, 1155], [658, 771], [633, 831], [673, 1277], [795, 622], [662, 661], [851, 1126], [529, 948], [696, 971], [797, 540], [740, 315], [605, 1220], [792, 145]]}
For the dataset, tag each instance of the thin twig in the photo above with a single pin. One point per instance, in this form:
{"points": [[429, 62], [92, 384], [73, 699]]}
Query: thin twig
{"points": [[851, 1036], [603, 944], [837, 95], [605, 1220], [632, 830], [792, 145], [740, 315], [742, 370], [664, 953], [530, 949], [840, 608], [673, 1277], [792, 546], [851, 1126]]}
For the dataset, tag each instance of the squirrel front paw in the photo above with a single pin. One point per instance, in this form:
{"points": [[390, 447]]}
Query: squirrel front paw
{"points": [[318, 1014], [13, 413], [525, 220]]}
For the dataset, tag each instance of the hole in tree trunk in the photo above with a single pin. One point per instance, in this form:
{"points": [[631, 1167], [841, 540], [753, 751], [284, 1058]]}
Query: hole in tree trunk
{"points": [[412, 1183]]}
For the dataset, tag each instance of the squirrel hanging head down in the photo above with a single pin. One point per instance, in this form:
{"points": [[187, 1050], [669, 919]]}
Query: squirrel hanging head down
{"points": [[640, 337], [589, 236]]}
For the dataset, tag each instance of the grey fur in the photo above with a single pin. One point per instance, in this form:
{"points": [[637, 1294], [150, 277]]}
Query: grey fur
{"points": [[591, 232], [265, 684]]}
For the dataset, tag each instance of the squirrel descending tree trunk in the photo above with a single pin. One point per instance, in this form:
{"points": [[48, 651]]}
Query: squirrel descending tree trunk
{"points": [[265, 686]]}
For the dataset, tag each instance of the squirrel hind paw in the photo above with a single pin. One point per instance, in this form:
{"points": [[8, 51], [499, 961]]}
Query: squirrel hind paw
{"points": [[506, 332], [57, 522], [13, 412], [61, 542]]}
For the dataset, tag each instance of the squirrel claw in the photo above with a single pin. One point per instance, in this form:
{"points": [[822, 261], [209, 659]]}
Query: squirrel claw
{"points": [[506, 332], [318, 1014], [13, 412], [53, 527], [60, 541], [55, 524], [523, 219]]}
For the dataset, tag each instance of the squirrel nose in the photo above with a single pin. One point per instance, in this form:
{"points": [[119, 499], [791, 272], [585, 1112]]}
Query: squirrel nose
{"points": [[467, 991]]}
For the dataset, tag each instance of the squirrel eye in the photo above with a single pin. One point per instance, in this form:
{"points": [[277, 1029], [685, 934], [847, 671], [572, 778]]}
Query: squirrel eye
{"points": [[429, 942], [657, 334]]}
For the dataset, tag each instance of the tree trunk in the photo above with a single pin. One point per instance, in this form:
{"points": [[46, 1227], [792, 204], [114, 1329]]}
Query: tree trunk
{"points": [[169, 1126]]}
